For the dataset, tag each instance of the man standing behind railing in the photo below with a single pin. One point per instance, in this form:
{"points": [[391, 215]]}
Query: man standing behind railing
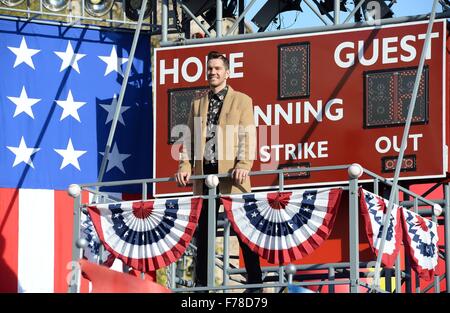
{"points": [[222, 135]]}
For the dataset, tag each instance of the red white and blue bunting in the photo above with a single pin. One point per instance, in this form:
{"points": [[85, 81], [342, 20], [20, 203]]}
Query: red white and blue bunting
{"points": [[373, 209], [92, 251], [283, 226], [421, 243], [419, 235], [147, 235], [280, 226]]}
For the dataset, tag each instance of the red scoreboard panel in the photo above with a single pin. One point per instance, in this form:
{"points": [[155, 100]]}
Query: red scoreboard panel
{"points": [[319, 99]]}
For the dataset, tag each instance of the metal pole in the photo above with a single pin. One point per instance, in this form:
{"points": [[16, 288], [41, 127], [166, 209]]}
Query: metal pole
{"points": [[226, 251], [376, 280], [417, 278], [290, 278], [408, 272], [375, 186], [436, 280], [144, 191], [447, 235], [76, 251], [280, 276], [417, 282], [241, 16], [398, 275], [211, 236], [122, 92], [164, 19], [172, 275], [398, 269], [315, 10], [337, 11], [353, 235], [352, 13], [281, 181], [218, 18], [194, 18], [241, 23], [331, 277]]}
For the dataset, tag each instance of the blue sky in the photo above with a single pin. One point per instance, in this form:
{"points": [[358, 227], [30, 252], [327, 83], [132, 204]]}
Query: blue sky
{"points": [[307, 18]]}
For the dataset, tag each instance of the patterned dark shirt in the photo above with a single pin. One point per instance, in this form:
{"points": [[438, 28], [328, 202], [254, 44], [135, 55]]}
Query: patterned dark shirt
{"points": [[212, 120]]}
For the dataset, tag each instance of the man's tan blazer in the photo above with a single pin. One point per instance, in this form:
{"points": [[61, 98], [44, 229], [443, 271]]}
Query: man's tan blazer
{"points": [[236, 140]]}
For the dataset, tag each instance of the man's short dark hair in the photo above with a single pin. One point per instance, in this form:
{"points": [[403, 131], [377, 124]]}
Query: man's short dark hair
{"points": [[216, 55]]}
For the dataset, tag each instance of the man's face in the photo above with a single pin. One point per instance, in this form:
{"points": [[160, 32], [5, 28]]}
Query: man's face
{"points": [[217, 74]]}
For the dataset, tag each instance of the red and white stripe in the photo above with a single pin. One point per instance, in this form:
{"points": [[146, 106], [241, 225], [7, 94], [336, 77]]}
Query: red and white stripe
{"points": [[36, 229]]}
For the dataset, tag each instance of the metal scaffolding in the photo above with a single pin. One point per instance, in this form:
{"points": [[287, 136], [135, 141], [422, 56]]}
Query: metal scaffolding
{"points": [[335, 20]]}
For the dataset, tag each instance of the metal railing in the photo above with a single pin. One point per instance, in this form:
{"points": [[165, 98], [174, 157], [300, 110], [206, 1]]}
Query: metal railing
{"points": [[344, 273]]}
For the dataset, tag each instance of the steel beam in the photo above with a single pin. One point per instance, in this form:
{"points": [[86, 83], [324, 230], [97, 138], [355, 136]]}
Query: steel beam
{"points": [[122, 92]]}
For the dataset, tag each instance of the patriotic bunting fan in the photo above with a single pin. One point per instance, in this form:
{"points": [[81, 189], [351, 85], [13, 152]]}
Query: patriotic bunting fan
{"points": [[373, 209], [147, 235], [92, 251], [283, 226], [421, 243]]}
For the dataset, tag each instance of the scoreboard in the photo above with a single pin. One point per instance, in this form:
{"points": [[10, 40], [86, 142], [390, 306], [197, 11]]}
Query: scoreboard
{"points": [[319, 99]]}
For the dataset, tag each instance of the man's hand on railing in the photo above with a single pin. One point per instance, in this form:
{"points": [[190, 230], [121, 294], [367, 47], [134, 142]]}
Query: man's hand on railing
{"points": [[239, 175], [182, 178]]}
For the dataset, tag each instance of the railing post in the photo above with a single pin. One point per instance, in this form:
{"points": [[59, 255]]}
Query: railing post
{"points": [[416, 210], [76, 251], [281, 279], [436, 280], [398, 269], [353, 234], [226, 251], [144, 191], [398, 275], [211, 235], [172, 275], [281, 181], [376, 190], [331, 278], [408, 272]]}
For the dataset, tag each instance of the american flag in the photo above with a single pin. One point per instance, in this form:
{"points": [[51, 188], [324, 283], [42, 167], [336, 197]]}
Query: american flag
{"points": [[59, 87]]}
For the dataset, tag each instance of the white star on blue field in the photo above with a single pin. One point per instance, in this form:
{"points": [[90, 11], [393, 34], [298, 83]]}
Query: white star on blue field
{"points": [[59, 91]]}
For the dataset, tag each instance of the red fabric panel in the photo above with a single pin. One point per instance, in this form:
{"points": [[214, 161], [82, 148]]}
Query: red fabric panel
{"points": [[106, 280], [9, 239]]}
